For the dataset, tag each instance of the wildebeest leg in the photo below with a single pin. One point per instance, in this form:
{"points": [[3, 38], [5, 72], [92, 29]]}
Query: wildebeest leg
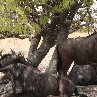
{"points": [[76, 92], [14, 87], [63, 95], [64, 69], [65, 59], [66, 86], [65, 65], [70, 68], [22, 83], [61, 89]]}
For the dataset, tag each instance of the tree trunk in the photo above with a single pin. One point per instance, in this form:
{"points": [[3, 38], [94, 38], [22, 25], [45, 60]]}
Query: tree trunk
{"points": [[57, 30], [34, 44], [40, 53], [52, 67], [62, 36]]}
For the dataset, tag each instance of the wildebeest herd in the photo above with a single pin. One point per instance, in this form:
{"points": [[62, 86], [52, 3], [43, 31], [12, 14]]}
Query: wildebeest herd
{"points": [[27, 81]]}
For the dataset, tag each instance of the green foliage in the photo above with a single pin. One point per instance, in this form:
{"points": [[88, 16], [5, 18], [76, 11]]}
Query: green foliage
{"points": [[14, 14], [37, 28], [13, 18], [44, 20], [88, 17], [88, 2]]}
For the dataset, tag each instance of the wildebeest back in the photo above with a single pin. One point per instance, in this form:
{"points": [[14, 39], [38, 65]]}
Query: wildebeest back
{"points": [[81, 50]]}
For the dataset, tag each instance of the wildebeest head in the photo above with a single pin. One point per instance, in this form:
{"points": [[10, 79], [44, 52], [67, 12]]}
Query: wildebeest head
{"points": [[10, 58], [17, 58]]}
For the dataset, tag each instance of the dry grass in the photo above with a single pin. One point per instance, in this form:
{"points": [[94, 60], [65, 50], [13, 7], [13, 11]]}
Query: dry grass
{"points": [[16, 44], [77, 34]]}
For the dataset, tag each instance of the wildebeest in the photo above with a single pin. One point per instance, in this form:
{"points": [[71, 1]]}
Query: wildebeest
{"points": [[83, 75], [82, 51], [6, 60], [43, 84]]}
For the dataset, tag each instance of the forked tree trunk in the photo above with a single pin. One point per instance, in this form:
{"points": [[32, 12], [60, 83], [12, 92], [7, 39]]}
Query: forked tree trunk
{"points": [[57, 31], [36, 57], [34, 44]]}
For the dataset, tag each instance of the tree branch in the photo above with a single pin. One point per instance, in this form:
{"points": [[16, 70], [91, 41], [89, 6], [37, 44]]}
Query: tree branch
{"points": [[34, 44]]}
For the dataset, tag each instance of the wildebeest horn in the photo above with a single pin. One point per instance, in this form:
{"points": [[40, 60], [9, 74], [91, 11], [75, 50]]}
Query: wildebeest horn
{"points": [[1, 53], [6, 68], [13, 52]]}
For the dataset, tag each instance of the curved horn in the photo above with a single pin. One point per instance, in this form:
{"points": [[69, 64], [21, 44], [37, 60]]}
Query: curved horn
{"points": [[12, 51], [6, 68], [1, 53]]}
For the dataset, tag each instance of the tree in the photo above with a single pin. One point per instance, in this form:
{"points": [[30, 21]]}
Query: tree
{"points": [[52, 22], [57, 30]]}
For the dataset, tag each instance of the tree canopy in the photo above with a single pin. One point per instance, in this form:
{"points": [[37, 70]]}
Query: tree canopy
{"points": [[24, 16]]}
